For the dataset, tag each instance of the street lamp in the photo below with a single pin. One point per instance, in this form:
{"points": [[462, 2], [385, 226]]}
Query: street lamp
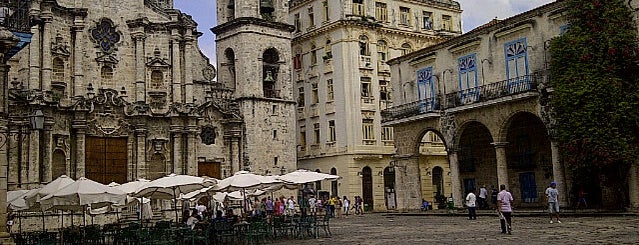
{"points": [[37, 120]]}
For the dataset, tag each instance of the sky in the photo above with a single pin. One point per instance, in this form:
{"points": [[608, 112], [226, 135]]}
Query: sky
{"points": [[475, 13]]}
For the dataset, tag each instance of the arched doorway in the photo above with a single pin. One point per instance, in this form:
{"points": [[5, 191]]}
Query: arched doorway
{"points": [[59, 165], [438, 180], [477, 158], [389, 188], [334, 183], [367, 188]]}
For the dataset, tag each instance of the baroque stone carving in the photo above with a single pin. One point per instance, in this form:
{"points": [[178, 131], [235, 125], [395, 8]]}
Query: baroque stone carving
{"points": [[449, 128], [60, 47]]}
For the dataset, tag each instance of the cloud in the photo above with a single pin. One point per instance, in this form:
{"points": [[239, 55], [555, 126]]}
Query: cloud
{"points": [[479, 12]]}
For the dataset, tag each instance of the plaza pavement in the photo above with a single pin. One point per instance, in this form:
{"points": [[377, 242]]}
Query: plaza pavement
{"points": [[529, 227]]}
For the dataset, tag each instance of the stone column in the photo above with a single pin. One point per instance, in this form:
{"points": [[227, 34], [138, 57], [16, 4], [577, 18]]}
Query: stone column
{"points": [[47, 151], [454, 178], [191, 160], [80, 144], [33, 157], [235, 154], [188, 70], [502, 164], [633, 186], [35, 56], [140, 153], [176, 79], [558, 173], [140, 86], [78, 64], [177, 149], [46, 52]]}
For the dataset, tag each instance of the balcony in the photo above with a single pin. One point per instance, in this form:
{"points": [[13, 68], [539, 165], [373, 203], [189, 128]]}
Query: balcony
{"points": [[411, 109], [492, 91], [14, 15]]}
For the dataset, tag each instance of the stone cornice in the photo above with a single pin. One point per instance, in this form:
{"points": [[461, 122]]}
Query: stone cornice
{"points": [[243, 21], [373, 26]]}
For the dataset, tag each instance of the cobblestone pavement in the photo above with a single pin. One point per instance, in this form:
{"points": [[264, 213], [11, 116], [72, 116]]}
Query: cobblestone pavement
{"points": [[401, 229]]}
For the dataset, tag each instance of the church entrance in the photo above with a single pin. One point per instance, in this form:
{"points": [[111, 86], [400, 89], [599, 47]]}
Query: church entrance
{"points": [[106, 159]]}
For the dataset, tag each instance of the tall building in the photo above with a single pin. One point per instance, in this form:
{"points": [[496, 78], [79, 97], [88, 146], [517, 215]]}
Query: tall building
{"points": [[126, 93], [342, 82]]}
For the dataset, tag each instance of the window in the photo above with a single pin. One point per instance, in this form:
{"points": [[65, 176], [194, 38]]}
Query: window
{"points": [[311, 17], [330, 96], [314, 96], [468, 78], [427, 21], [58, 70], [208, 135], [157, 79], [517, 65], [426, 89], [274, 134], [404, 16], [358, 7], [382, 50], [447, 23], [328, 50], [564, 28], [300, 97], [363, 45], [366, 89], [316, 132], [381, 12], [325, 5], [406, 48], [107, 76], [368, 131], [303, 138], [384, 93], [297, 23], [387, 134], [313, 54], [297, 61], [331, 131]]}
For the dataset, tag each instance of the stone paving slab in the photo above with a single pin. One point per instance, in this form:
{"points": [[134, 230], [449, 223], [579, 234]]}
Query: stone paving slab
{"points": [[399, 229]]}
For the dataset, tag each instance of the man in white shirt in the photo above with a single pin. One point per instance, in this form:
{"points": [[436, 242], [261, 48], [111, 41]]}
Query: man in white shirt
{"points": [[483, 193], [552, 195], [504, 207], [312, 203], [471, 204]]}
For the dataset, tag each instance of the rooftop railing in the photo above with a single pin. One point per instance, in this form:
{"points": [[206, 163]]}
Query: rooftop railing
{"points": [[14, 15]]}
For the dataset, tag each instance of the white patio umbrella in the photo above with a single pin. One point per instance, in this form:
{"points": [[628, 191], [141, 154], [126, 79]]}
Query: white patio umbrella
{"points": [[243, 180], [133, 186], [33, 199], [81, 194], [171, 186], [303, 176], [15, 200]]}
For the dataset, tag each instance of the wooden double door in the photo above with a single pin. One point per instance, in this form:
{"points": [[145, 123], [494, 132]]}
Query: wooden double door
{"points": [[106, 159]]}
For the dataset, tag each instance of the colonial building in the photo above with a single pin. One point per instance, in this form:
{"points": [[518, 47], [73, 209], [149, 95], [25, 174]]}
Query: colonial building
{"points": [[127, 93], [342, 82], [481, 93], [485, 93]]}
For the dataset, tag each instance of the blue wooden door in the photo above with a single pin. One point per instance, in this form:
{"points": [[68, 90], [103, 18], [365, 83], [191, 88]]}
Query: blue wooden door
{"points": [[528, 187]]}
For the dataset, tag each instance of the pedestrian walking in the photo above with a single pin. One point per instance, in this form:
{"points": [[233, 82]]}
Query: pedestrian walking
{"points": [[483, 194], [493, 196], [290, 206], [552, 195], [471, 201], [312, 204], [358, 205], [347, 204], [504, 207]]}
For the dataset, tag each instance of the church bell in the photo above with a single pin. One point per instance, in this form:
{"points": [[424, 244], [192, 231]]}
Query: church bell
{"points": [[266, 6]]}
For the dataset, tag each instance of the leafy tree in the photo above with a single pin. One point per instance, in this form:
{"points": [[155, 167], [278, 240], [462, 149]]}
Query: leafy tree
{"points": [[595, 76]]}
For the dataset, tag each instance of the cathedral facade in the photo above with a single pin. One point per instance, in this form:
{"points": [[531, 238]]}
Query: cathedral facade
{"points": [[126, 93]]}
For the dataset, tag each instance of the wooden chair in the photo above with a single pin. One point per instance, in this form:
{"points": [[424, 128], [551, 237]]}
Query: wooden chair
{"points": [[325, 225]]}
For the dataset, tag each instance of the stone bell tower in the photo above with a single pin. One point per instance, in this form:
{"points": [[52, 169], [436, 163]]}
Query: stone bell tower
{"points": [[253, 40]]}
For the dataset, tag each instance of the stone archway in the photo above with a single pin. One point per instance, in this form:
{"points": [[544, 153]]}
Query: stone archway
{"points": [[476, 157]]}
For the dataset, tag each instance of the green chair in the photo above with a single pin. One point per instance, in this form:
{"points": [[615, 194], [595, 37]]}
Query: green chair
{"points": [[325, 225], [257, 232], [307, 226]]}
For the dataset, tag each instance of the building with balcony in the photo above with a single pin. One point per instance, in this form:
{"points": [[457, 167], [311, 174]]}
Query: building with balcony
{"points": [[484, 93], [342, 83], [127, 94]]}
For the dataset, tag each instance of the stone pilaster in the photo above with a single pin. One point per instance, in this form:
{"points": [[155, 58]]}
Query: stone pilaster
{"points": [[407, 181], [78, 62], [454, 178], [558, 173], [47, 144], [176, 80], [188, 68], [140, 153], [46, 52], [33, 152], [140, 86], [80, 145], [33, 81], [191, 149], [177, 149], [502, 164]]}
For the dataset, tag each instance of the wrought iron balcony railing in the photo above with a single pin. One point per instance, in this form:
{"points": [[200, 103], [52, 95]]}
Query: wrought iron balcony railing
{"points": [[14, 15], [484, 93], [411, 109], [492, 91]]}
